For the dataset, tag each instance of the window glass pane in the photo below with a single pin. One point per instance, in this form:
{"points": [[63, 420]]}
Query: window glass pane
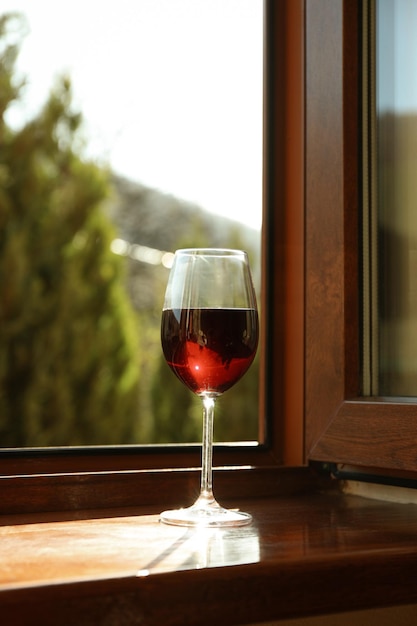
{"points": [[167, 154], [397, 195]]}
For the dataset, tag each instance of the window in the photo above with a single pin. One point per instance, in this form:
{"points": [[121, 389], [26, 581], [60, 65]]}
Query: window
{"points": [[279, 396], [314, 364], [340, 421], [396, 126], [344, 425], [182, 133]]}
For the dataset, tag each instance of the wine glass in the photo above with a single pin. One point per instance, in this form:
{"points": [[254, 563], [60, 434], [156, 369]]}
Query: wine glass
{"points": [[209, 335]]}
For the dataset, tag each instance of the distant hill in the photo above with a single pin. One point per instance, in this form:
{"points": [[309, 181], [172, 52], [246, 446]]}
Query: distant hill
{"points": [[148, 217], [151, 218]]}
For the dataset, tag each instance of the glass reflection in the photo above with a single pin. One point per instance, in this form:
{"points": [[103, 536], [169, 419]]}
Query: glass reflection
{"points": [[397, 195], [197, 548]]}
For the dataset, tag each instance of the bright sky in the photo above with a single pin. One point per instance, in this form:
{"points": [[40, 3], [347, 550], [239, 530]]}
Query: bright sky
{"points": [[171, 90], [396, 26]]}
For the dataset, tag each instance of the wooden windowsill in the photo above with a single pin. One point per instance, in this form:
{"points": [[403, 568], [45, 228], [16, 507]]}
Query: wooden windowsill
{"points": [[304, 554]]}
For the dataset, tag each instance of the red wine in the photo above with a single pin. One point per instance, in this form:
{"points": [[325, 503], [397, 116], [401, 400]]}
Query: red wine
{"points": [[209, 349]]}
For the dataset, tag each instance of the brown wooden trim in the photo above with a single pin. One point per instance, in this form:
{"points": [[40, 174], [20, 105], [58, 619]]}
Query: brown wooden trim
{"points": [[372, 433], [325, 275], [293, 300], [332, 208], [284, 232], [56, 461], [86, 491], [234, 595]]}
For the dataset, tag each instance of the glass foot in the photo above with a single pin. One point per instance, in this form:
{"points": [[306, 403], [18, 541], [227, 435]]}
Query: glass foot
{"points": [[205, 515]]}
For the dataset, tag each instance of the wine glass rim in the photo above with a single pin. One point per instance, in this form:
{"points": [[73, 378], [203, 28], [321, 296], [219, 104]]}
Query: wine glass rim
{"points": [[211, 251]]}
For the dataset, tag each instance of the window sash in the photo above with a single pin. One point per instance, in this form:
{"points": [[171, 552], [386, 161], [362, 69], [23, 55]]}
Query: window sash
{"points": [[342, 425], [282, 339]]}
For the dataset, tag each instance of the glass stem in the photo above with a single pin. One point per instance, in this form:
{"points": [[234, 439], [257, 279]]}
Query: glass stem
{"points": [[207, 449]]}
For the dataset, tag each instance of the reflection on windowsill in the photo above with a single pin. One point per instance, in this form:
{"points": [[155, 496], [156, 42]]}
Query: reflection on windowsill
{"points": [[197, 548], [137, 545]]}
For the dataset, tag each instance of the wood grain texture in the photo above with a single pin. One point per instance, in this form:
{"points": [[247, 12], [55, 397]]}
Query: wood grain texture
{"points": [[283, 230], [80, 491], [324, 215], [341, 426], [303, 555], [373, 433]]}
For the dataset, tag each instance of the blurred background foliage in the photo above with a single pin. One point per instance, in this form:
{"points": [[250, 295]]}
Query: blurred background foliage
{"points": [[80, 356]]}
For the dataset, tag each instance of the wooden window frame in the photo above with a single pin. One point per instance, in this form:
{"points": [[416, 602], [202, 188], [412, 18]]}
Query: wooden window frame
{"points": [[311, 372], [342, 426], [30, 472]]}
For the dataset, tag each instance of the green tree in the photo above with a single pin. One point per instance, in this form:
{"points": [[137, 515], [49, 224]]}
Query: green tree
{"points": [[68, 370]]}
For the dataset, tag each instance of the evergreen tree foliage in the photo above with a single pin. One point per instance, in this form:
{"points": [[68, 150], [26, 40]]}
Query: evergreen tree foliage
{"points": [[68, 364]]}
